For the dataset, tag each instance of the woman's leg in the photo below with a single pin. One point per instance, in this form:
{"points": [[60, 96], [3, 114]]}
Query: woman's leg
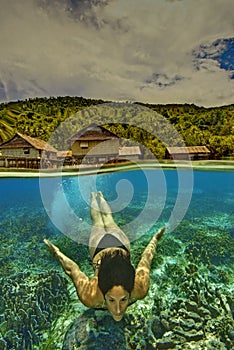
{"points": [[110, 225], [106, 213], [95, 212], [98, 229]]}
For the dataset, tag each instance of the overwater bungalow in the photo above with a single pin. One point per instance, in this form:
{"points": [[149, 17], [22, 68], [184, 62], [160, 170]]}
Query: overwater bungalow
{"points": [[90, 146], [130, 153], [188, 153], [94, 144], [23, 151]]}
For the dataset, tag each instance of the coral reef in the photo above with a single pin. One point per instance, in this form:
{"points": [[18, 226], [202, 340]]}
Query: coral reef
{"points": [[216, 248], [95, 330], [29, 304], [22, 232], [190, 303], [200, 317]]}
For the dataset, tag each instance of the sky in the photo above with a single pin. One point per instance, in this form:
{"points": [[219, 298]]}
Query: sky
{"points": [[150, 51]]}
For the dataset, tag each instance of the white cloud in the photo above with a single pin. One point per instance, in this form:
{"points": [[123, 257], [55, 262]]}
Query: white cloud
{"points": [[115, 49]]}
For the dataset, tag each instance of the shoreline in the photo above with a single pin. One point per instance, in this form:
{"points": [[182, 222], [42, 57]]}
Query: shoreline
{"points": [[209, 165]]}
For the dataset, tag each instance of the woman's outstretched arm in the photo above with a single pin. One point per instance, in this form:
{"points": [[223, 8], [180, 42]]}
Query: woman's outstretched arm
{"points": [[69, 266], [149, 252], [142, 279], [84, 286]]}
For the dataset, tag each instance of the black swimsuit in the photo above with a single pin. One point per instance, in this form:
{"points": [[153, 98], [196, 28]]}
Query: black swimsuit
{"points": [[109, 241]]}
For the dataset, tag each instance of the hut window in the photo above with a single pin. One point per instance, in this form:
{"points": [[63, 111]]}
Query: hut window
{"points": [[84, 145], [26, 151]]}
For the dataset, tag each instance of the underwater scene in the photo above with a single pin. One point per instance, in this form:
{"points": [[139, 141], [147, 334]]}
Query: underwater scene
{"points": [[190, 302]]}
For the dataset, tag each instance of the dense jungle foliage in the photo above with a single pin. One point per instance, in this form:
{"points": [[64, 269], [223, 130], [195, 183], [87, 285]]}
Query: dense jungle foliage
{"points": [[39, 117]]}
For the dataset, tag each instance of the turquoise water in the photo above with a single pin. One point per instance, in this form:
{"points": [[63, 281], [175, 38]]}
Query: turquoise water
{"points": [[200, 237]]}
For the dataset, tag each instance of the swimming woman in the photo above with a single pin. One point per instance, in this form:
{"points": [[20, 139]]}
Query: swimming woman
{"points": [[116, 284]]}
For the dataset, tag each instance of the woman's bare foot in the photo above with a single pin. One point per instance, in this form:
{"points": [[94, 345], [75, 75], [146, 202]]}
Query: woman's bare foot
{"points": [[93, 195]]}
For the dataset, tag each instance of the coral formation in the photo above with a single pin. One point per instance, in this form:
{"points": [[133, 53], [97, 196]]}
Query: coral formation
{"points": [[200, 317], [216, 248], [95, 330], [29, 304], [190, 303]]}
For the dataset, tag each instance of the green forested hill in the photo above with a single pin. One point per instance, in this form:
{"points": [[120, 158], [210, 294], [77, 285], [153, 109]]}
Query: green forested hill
{"points": [[213, 127], [39, 117]]}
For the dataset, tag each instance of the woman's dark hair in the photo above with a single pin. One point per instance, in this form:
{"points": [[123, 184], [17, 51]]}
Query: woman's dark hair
{"points": [[116, 270]]}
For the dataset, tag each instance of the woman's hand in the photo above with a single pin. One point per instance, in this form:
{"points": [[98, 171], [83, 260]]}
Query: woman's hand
{"points": [[160, 232], [53, 249]]}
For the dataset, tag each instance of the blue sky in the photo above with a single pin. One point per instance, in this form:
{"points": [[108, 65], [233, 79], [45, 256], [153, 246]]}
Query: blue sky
{"points": [[153, 51]]}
